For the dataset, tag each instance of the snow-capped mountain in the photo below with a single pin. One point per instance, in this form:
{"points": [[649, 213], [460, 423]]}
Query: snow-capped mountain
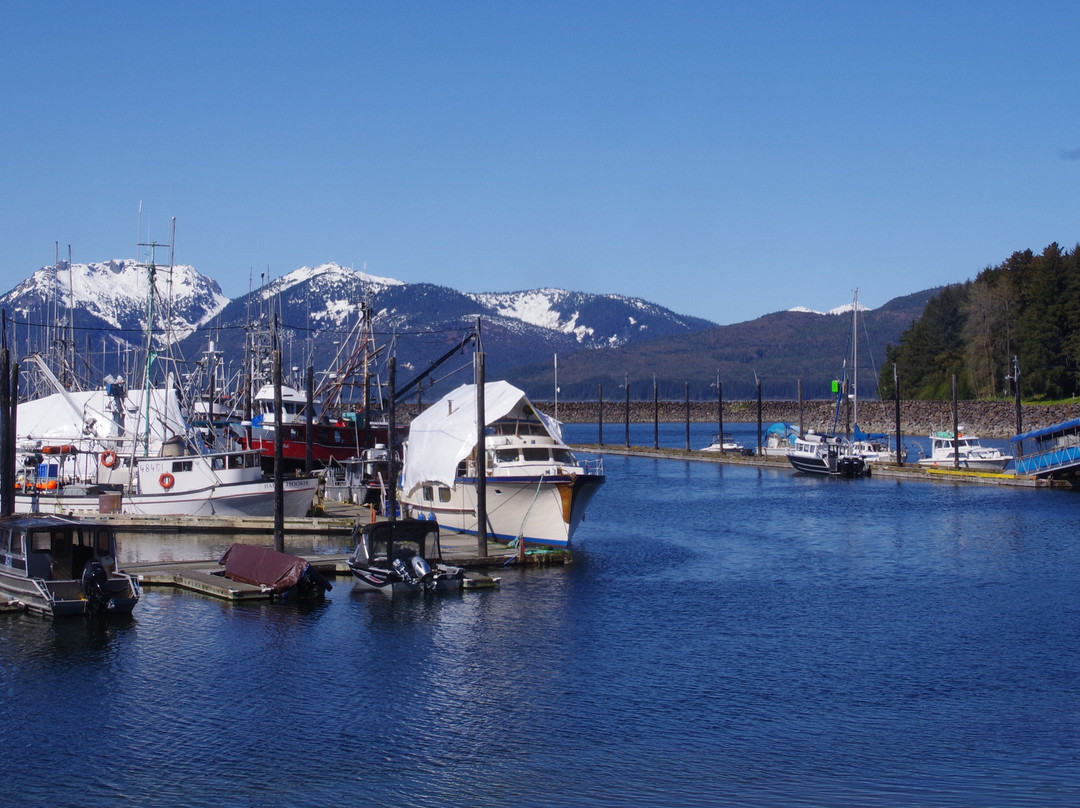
{"points": [[316, 307], [114, 295]]}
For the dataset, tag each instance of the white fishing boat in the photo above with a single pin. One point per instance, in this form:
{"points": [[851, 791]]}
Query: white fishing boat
{"points": [[537, 490], [58, 566], [964, 451], [87, 451]]}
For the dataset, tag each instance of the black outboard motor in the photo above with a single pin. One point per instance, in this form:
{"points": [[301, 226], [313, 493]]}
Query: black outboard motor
{"points": [[95, 582]]}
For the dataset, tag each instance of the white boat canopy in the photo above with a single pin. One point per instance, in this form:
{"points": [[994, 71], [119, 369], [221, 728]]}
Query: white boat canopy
{"points": [[445, 433], [93, 415]]}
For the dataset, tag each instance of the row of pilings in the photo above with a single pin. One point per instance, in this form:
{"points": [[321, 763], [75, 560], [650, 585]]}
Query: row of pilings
{"points": [[991, 419]]}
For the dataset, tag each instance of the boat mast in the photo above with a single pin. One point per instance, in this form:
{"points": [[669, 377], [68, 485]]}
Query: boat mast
{"points": [[855, 360]]}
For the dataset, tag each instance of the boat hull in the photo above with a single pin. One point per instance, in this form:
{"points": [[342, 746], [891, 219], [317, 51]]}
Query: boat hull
{"points": [[229, 500], [538, 510], [369, 580], [835, 467], [996, 465]]}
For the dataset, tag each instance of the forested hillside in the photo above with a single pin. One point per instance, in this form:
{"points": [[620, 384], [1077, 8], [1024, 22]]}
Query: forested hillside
{"points": [[1027, 308]]}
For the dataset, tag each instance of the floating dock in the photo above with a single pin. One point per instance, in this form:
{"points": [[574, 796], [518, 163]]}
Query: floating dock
{"points": [[205, 576], [907, 471]]}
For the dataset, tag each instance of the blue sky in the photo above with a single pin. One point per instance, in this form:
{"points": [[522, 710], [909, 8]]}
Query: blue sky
{"points": [[723, 159]]}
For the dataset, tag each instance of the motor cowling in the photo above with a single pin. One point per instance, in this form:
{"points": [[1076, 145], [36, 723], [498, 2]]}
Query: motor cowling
{"points": [[420, 568], [95, 583]]}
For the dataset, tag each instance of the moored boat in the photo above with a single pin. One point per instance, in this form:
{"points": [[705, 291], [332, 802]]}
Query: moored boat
{"points": [[726, 443], [285, 576], [1052, 451], [825, 454], [778, 440], [58, 566], [177, 481], [401, 556], [536, 489], [964, 451]]}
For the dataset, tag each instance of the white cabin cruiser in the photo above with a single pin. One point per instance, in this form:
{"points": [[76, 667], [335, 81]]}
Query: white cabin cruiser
{"points": [[973, 456], [536, 491]]}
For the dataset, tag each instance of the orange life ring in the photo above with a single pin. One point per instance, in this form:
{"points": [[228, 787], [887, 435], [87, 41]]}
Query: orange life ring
{"points": [[108, 459], [166, 481]]}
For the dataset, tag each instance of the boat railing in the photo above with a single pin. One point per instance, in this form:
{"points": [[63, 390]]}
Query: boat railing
{"points": [[43, 590], [1050, 459]]}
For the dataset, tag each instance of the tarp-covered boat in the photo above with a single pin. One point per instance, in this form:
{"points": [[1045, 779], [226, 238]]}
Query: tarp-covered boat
{"points": [[536, 489], [286, 576]]}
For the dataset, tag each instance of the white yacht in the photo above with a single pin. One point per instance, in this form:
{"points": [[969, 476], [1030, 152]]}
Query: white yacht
{"points": [[536, 491]]}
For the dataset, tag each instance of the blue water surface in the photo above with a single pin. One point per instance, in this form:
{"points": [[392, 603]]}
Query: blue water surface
{"points": [[726, 635]]}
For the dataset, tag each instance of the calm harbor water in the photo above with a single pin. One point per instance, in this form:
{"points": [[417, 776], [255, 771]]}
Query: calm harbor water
{"points": [[726, 636]]}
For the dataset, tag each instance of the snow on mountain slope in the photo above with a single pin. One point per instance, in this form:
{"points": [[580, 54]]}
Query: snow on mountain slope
{"points": [[331, 290], [116, 292]]}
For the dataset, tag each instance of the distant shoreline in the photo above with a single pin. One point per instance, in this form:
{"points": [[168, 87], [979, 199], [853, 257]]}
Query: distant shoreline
{"points": [[991, 419]]}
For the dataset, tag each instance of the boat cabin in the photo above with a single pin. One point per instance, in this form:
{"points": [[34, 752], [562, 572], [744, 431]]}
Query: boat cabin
{"points": [[400, 540], [54, 548], [293, 404], [59, 566]]}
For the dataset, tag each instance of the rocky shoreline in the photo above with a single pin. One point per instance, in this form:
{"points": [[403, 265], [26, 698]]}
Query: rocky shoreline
{"points": [[990, 419]]}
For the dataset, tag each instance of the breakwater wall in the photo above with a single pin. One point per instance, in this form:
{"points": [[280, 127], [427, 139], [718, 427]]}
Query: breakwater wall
{"points": [[991, 419]]}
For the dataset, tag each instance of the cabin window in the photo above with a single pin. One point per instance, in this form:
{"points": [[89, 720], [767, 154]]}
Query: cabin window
{"points": [[181, 465], [506, 455], [535, 455], [462, 469], [104, 542], [428, 494], [5, 542], [444, 494], [294, 433], [563, 456], [337, 436], [41, 541]]}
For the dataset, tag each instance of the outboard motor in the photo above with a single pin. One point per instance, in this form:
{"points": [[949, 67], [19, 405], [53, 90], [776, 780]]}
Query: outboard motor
{"points": [[95, 583], [402, 570], [421, 570]]}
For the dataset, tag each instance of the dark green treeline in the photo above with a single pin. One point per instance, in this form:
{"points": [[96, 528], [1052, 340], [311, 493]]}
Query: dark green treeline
{"points": [[1027, 308]]}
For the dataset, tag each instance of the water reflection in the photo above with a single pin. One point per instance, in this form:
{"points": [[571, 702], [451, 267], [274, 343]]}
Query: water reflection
{"points": [[725, 635]]}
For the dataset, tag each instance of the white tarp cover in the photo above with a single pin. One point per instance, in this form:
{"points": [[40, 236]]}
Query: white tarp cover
{"points": [[445, 433], [89, 415]]}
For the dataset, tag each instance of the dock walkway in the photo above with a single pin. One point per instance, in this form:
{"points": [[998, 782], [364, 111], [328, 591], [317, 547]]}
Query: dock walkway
{"points": [[907, 471], [204, 576]]}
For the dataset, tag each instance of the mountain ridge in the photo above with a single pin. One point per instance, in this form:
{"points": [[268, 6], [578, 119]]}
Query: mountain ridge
{"points": [[522, 331]]}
